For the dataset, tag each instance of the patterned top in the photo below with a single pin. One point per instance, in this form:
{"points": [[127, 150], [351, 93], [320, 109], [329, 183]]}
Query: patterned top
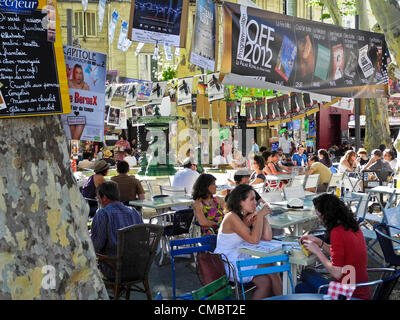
{"points": [[215, 214]]}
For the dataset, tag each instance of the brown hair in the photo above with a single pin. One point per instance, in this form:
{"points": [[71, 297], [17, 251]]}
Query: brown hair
{"points": [[348, 155]]}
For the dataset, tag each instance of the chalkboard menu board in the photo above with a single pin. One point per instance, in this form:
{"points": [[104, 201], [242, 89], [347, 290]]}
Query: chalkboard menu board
{"points": [[32, 68]]}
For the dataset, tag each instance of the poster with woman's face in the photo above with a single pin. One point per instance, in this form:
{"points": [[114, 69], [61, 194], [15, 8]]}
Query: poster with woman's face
{"points": [[113, 116], [149, 110], [86, 75], [136, 112]]}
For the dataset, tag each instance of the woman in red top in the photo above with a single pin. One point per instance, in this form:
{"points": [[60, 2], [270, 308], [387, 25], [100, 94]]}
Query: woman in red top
{"points": [[347, 248]]}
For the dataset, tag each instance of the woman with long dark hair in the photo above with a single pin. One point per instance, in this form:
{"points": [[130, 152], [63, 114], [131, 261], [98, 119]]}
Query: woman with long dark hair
{"points": [[347, 248], [243, 223], [257, 165], [208, 209], [323, 156]]}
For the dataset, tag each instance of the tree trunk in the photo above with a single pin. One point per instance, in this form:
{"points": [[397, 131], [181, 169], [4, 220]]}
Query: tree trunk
{"points": [[334, 11], [387, 14], [377, 129], [362, 12], [46, 251]]}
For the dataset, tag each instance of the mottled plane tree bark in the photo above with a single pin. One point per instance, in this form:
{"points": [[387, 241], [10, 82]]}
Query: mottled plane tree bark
{"points": [[387, 14], [45, 249]]}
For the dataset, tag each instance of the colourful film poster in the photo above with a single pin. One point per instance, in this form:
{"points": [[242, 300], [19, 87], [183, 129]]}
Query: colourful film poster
{"points": [[287, 56], [162, 21], [323, 60], [33, 80], [86, 72], [338, 61]]}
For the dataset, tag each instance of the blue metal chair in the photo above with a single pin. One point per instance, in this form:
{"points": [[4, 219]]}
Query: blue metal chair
{"points": [[391, 216], [366, 221], [189, 246], [243, 272], [383, 234]]}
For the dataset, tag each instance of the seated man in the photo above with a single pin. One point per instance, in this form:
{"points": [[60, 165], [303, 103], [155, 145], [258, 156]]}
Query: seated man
{"points": [[186, 177], [388, 155], [87, 162], [130, 188], [376, 163], [316, 167], [242, 176], [218, 158], [112, 216]]}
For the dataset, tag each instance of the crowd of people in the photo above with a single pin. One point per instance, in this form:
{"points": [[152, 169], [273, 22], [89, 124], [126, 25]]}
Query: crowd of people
{"points": [[240, 215], [122, 150]]}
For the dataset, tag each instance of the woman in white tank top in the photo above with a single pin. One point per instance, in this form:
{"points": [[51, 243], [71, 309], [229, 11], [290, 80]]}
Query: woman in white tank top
{"points": [[244, 223]]}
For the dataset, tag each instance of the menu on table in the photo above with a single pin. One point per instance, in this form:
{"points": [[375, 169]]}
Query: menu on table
{"points": [[32, 69]]}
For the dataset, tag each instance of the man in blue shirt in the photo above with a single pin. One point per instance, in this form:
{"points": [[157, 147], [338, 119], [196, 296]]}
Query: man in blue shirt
{"points": [[299, 158], [112, 216], [254, 146]]}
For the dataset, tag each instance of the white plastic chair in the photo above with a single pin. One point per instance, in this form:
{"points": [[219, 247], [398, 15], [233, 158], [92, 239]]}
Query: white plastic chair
{"points": [[294, 192], [312, 181], [259, 187], [298, 180], [336, 178], [173, 191]]}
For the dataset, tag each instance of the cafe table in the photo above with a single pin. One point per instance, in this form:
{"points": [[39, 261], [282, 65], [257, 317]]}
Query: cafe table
{"points": [[393, 193], [160, 204], [296, 258], [293, 219]]}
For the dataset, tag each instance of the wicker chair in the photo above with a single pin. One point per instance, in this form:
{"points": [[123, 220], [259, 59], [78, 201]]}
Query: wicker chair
{"points": [[136, 249]]}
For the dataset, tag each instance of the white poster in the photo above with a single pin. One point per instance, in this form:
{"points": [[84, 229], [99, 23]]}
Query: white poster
{"points": [[149, 109], [159, 21], [132, 94], [215, 89], [136, 111], [112, 26], [86, 74], [344, 103], [123, 124], [157, 92], [84, 4], [168, 52], [110, 90], [126, 45], [204, 36], [185, 86], [113, 118], [122, 35], [102, 7], [138, 48]]}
